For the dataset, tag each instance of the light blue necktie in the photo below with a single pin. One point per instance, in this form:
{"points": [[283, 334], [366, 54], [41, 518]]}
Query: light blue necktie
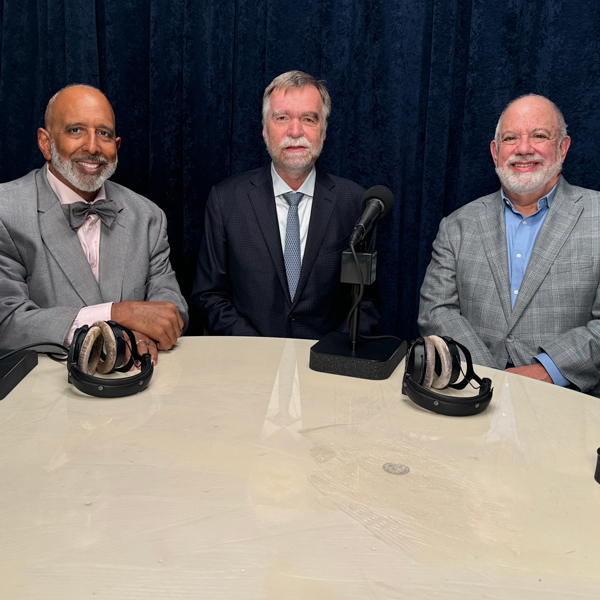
{"points": [[291, 253]]}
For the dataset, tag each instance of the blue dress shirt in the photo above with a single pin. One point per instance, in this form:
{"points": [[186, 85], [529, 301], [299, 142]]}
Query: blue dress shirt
{"points": [[521, 233]]}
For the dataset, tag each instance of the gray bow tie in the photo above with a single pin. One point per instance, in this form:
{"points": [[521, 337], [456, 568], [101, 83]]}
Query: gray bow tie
{"points": [[77, 212]]}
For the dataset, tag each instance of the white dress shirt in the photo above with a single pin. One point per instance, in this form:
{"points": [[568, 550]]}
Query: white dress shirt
{"points": [[307, 188]]}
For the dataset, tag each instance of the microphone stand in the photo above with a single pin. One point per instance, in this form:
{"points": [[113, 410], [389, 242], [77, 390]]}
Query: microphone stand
{"points": [[347, 353]]}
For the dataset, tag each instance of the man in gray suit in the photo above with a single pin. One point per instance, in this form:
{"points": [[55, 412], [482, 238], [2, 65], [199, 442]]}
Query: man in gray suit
{"points": [[75, 248], [515, 275]]}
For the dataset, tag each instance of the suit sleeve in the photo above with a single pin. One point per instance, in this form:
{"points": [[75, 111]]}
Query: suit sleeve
{"points": [[212, 292], [439, 309], [576, 352], [22, 322], [162, 284]]}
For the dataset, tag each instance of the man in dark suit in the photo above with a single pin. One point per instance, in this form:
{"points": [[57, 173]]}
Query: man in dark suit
{"points": [[270, 259]]}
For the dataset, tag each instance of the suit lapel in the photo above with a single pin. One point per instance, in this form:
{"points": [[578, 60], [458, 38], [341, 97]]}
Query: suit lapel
{"points": [[114, 249], [262, 201], [64, 245], [322, 208], [493, 228], [562, 217]]}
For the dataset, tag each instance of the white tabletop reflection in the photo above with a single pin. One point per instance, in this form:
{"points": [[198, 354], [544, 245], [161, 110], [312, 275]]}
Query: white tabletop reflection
{"points": [[241, 473]]}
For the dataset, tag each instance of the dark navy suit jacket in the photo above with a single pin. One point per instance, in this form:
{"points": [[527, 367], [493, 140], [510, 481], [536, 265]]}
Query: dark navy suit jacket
{"points": [[241, 283]]}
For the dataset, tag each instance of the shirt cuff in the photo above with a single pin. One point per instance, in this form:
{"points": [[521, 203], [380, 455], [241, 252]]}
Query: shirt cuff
{"points": [[553, 371], [87, 316]]}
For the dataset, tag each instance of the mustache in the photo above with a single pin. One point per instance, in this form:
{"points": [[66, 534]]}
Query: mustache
{"points": [[525, 158], [290, 142], [90, 158]]}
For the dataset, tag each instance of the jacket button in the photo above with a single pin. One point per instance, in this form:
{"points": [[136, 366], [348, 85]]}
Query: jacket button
{"points": [[510, 338], [291, 318]]}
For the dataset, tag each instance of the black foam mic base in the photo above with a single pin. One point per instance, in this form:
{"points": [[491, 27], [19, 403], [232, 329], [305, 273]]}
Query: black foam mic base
{"points": [[374, 359], [14, 368]]}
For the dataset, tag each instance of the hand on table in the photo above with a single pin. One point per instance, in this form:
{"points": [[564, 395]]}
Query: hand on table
{"points": [[535, 371], [159, 321]]}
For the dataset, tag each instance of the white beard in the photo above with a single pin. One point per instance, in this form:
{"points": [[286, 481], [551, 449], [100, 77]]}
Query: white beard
{"points": [[82, 181], [297, 162], [527, 183]]}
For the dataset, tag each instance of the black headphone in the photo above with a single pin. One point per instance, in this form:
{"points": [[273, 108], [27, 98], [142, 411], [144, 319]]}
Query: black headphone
{"points": [[434, 362], [102, 348]]}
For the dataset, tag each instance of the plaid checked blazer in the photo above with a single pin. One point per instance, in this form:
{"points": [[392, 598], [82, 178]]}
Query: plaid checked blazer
{"points": [[466, 291], [241, 284]]}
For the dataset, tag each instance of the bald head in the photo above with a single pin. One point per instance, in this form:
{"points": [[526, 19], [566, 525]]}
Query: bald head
{"points": [[72, 94], [538, 103]]}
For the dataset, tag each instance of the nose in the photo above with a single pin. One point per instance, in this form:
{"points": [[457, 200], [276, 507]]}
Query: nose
{"points": [[91, 143], [295, 128], [524, 146]]}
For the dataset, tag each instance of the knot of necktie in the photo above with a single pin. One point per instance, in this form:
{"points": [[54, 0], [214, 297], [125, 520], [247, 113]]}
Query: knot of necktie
{"points": [[77, 212], [293, 198]]}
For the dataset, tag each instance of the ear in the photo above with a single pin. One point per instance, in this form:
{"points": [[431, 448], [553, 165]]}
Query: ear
{"points": [[44, 143], [118, 143], [564, 147], [494, 152]]}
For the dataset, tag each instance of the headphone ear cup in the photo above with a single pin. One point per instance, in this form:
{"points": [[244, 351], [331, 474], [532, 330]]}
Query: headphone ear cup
{"points": [[91, 348], [429, 362], [110, 348], [441, 379]]}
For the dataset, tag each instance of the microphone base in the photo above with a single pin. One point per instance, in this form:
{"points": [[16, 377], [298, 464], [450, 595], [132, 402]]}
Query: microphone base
{"points": [[374, 359], [14, 369]]}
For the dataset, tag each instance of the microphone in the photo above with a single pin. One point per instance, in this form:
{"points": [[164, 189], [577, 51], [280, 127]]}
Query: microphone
{"points": [[377, 201]]}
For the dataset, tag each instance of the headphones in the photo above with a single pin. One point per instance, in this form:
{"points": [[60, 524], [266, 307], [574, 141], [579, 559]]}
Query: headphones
{"points": [[102, 348], [434, 362]]}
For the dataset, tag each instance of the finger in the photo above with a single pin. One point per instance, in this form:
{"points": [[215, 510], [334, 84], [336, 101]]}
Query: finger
{"points": [[154, 353]]}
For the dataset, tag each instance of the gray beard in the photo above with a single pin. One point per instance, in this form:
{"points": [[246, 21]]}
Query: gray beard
{"points": [[527, 183], [296, 164], [81, 181]]}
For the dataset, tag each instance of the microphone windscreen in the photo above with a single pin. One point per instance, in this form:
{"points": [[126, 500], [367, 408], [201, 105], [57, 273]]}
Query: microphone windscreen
{"points": [[380, 192]]}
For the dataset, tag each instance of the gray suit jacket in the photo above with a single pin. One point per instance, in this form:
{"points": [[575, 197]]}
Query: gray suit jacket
{"points": [[45, 278], [466, 292]]}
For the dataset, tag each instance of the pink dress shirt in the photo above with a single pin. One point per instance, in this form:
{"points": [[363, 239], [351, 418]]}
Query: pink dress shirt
{"points": [[89, 237]]}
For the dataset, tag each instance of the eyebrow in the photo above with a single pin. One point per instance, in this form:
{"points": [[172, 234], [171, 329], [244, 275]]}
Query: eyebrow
{"points": [[308, 113], [532, 131], [81, 124]]}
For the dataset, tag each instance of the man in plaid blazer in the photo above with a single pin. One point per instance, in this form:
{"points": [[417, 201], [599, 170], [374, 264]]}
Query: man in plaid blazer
{"points": [[245, 284], [515, 275]]}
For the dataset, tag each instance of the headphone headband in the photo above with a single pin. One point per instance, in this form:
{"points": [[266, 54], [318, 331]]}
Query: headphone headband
{"points": [[419, 361]]}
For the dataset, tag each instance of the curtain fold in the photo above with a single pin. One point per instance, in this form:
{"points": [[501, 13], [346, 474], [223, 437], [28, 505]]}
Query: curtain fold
{"points": [[417, 89]]}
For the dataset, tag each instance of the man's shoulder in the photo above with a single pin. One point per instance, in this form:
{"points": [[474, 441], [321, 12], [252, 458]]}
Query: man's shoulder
{"points": [[472, 210], [130, 199], [19, 186], [337, 184], [253, 178], [576, 193]]}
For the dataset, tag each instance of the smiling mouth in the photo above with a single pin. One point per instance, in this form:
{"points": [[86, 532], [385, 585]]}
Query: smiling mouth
{"points": [[90, 167]]}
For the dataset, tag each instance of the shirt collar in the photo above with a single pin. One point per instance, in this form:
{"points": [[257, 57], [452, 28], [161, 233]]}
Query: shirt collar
{"points": [[543, 202], [65, 194], [281, 187]]}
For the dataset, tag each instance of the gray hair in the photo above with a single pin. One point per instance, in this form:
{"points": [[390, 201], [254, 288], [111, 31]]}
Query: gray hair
{"points": [[562, 126], [296, 79], [52, 101]]}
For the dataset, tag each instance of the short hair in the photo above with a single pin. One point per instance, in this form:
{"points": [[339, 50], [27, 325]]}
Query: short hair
{"points": [[562, 126], [51, 102], [296, 79]]}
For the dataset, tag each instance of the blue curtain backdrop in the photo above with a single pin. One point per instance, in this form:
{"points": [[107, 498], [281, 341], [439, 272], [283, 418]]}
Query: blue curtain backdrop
{"points": [[417, 88]]}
